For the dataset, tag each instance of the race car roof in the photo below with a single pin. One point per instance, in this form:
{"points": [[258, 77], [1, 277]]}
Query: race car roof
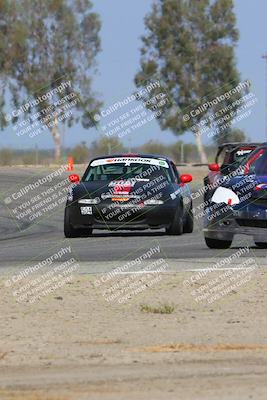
{"points": [[237, 144]]}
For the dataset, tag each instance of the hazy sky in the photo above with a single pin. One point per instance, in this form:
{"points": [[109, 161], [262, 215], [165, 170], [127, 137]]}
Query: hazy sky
{"points": [[122, 26]]}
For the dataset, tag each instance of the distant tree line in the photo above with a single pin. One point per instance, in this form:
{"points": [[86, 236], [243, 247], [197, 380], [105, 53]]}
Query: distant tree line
{"points": [[179, 151]]}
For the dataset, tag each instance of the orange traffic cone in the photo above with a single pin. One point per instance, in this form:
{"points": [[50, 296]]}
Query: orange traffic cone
{"points": [[70, 164]]}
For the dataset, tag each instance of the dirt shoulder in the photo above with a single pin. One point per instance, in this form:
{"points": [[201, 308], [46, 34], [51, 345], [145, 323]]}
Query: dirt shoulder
{"points": [[74, 344]]}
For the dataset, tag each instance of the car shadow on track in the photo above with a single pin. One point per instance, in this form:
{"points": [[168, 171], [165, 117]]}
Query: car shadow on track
{"points": [[127, 234]]}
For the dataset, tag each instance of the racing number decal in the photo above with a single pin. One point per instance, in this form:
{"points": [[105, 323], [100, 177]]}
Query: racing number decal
{"points": [[122, 188]]}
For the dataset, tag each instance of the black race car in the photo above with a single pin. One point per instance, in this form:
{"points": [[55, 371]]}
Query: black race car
{"points": [[228, 158], [239, 205], [132, 192]]}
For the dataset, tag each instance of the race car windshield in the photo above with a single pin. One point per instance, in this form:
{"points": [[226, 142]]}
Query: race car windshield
{"points": [[241, 154], [257, 163], [119, 171]]}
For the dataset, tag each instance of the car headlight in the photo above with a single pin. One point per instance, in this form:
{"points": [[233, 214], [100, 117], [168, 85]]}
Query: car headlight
{"points": [[224, 195], [152, 202], [96, 200]]}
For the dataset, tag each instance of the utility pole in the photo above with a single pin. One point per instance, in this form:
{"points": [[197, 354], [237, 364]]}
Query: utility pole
{"points": [[182, 152], [36, 155], [109, 148], [265, 58], [129, 144]]}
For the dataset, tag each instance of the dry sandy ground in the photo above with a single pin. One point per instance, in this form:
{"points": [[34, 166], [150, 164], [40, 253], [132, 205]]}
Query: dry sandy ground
{"points": [[73, 344]]}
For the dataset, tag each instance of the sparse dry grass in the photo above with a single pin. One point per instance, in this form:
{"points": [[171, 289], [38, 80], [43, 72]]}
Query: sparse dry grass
{"points": [[179, 347], [30, 395], [162, 309], [2, 355], [99, 341]]}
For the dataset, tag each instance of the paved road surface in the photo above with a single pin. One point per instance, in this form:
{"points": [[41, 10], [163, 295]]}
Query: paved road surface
{"points": [[23, 240]]}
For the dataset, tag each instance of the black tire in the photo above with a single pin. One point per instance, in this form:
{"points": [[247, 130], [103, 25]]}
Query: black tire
{"points": [[218, 244], [261, 245], [176, 227], [189, 222], [70, 232]]}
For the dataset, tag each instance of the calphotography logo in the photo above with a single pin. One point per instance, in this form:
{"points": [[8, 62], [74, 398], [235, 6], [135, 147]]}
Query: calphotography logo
{"points": [[128, 115], [125, 282], [232, 273], [43, 278], [51, 108], [39, 198]]}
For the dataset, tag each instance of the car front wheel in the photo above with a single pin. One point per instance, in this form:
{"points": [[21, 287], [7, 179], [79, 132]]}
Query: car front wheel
{"points": [[71, 232], [189, 222], [176, 227]]}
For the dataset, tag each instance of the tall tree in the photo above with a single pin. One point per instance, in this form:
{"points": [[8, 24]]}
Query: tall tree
{"points": [[189, 47], [231, 135], [52, 41]]}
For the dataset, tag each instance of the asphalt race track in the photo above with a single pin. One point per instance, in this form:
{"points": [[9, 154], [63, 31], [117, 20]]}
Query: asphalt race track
{"points": [[22, 240]]}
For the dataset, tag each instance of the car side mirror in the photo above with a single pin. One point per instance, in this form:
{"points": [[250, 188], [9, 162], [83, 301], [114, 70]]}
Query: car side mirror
{"points": [[74, 178], [186, 178], [214, 167]]}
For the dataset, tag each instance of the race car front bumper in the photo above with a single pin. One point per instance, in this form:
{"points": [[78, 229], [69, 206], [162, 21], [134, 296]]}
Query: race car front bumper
{"points": [[250, 219], [122, 217]]}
